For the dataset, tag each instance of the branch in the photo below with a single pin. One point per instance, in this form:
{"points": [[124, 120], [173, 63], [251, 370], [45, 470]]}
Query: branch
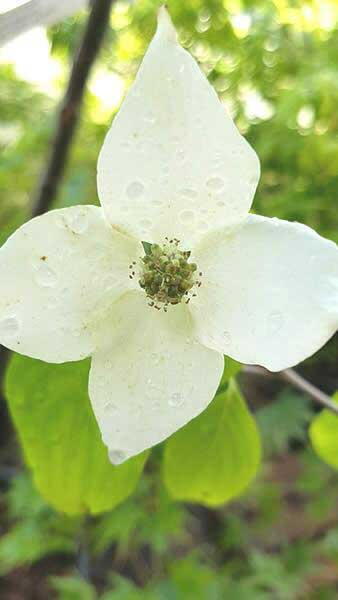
{"points": [[70, 108], [35, 12], [293, 378], [68, 117]]}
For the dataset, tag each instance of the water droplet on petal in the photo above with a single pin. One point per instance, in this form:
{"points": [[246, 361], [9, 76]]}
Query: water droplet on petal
{"points": [[226, 338], [146, 223], [45, 276], [111, 282], [60, 220], [150, 118], [109, 407], [275, 322], [77, 221], [126, 145], [9, 326], [117, 456], [215, 183], [189, 193], [155, 358], [175, 400], [203, 226], [135, 190], [252, 180], [187, 216], [152, 390]]}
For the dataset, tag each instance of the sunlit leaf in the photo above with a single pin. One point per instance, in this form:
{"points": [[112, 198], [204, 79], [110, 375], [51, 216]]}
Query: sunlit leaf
{"points": [[216, 455], [73, 588], [231, 368], [324, 436], [61, 440]]}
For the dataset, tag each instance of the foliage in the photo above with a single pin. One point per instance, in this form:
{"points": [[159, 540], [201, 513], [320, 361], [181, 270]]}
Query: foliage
{"points": [[38, 530], [324, 436], [284, 420], [216, 455], [61, 439]]}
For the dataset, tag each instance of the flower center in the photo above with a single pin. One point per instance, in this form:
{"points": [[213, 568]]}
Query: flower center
{"points": [[166, 275]]}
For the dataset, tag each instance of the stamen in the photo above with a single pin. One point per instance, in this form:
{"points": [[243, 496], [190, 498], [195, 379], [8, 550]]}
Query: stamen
{"points": [[167, 276]]}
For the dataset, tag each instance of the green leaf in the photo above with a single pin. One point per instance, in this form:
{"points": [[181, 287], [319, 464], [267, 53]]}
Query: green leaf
{"points": [[37, 530], [73, 588], [231, 368], [213, 458], [324, 436], [61, 440], [285, 419]]}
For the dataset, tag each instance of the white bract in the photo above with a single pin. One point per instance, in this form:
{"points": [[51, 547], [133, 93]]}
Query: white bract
{"points": [[173, 171]]}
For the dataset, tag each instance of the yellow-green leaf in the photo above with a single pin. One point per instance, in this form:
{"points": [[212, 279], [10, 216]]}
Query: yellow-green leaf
{"points": [[61, 440], [213, 458], [324, 436]]}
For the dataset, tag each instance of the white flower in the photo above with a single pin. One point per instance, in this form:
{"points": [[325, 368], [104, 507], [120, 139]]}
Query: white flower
{"points": [[73, 282]]}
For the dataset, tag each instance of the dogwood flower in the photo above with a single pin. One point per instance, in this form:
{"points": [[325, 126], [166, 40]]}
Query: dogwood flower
{"points": [[172, 272]]}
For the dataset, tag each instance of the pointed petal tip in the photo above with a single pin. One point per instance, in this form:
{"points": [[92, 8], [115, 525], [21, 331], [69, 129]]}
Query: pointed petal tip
{"points": [[165, 25], [117, 457]]}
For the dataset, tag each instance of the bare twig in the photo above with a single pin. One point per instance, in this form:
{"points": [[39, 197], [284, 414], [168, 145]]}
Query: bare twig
{"points": [[293, 378], [70, 108], [67, 120]]}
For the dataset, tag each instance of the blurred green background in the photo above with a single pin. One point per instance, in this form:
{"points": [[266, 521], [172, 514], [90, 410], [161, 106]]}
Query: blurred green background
{"points": [[274, 64]]}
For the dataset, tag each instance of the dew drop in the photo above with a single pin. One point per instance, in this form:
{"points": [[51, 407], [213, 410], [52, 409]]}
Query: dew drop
{"points": [[187, 216], [226, 338], [252, 180], [45, 276], [215, 183], [60, 221], [126, 145], [9, 326], [117, 456], [77, 222], [152, 390], [189, 193], [135, 190], [146, 223], [155, 358], [175, 400], [111, 282], [52, 303], [203, 226], [109, 407], [180, 155], [150, 118], [275, 322]]}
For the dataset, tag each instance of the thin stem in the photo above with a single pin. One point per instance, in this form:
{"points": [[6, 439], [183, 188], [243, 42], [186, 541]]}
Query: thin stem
{"points": [[293, 378]]}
